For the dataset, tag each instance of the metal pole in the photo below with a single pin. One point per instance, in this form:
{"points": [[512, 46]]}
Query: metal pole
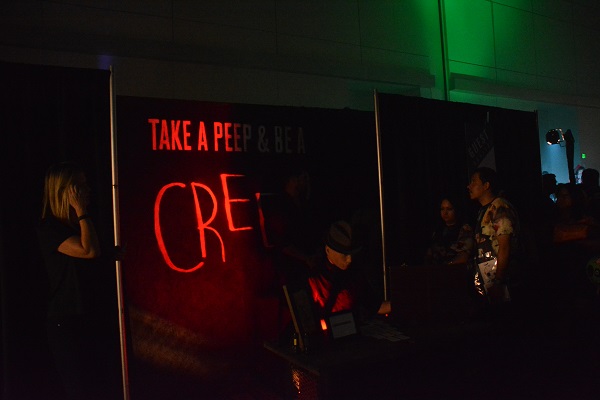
{"points": [[570, 150], [379, 169], [117, 233], [444, 47]]}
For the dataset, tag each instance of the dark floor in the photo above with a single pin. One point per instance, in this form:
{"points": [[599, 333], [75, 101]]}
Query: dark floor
{"points": [[546, 351]]}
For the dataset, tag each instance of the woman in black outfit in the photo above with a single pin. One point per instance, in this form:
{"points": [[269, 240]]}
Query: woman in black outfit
{"points": [[70, 248]]}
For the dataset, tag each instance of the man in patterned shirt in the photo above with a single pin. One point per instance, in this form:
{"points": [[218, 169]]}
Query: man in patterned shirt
{"points": [[496, 233]]}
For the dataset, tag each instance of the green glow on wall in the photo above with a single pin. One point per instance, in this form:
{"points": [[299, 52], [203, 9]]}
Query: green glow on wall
{"points": [[469, 32], [514, 39]]}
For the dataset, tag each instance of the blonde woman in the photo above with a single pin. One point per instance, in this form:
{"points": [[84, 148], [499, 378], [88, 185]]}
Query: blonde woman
{"points": [[69, 245]]}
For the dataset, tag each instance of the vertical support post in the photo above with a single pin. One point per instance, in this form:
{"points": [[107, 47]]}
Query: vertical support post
{"points": [[444, 47], [380, 174], [570, 150], [117, 234]]}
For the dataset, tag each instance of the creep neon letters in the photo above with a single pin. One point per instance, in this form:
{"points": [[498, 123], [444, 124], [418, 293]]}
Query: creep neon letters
{"points": [[205, 223]]}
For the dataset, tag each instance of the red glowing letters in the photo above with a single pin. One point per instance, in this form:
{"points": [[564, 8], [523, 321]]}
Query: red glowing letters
{"points": [[204, 224]]}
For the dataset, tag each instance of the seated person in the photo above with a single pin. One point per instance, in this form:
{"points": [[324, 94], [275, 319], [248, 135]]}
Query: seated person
{"points": [[336, 284], [452, 240]]}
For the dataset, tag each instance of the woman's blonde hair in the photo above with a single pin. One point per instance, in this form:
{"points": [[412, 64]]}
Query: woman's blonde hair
{"points": [[59, 178]]}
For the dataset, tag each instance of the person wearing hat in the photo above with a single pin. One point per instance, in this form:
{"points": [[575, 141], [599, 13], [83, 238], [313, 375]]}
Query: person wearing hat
{"points": [[338, 285]]}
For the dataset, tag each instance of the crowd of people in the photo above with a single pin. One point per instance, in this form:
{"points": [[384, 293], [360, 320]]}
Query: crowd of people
{"points": [[544, 258], [572, 235], [507, 260]]}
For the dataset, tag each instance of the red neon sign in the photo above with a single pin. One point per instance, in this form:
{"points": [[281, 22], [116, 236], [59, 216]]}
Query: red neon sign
{"points": [[204, 224]]}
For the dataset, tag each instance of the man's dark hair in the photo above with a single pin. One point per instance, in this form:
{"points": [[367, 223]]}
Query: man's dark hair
{"points": [[488, 175], [590, 177], [548, 184]]}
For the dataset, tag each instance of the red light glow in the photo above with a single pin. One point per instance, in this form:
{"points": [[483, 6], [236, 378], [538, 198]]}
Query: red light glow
{"points": [[204, 224], [323, 325], [228, 201], [158, 232]]}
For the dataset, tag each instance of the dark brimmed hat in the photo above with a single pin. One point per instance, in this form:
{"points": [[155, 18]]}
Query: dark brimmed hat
{"points": [[339, 238]]}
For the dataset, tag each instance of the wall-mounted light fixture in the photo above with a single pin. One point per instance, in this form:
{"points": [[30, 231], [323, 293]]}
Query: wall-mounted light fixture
{"points": [[555, 136]]}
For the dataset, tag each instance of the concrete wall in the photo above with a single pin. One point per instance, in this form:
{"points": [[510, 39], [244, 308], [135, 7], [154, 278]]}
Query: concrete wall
{"points": [[522, 54]]}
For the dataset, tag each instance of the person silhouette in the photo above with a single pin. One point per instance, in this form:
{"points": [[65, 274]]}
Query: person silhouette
{"points": [[70, 249]]}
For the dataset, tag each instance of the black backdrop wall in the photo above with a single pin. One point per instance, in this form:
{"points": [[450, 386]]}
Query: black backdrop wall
{"points": [[429, 149], [48, 115], [200, 280]]}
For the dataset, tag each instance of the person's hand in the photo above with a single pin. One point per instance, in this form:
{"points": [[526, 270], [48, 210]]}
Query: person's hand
{"points": [[385, 308], [78, 199]]}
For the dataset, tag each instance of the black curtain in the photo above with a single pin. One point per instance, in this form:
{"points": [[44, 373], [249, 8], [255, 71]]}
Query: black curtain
{"points": [[49, 114], [425, 155]]}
